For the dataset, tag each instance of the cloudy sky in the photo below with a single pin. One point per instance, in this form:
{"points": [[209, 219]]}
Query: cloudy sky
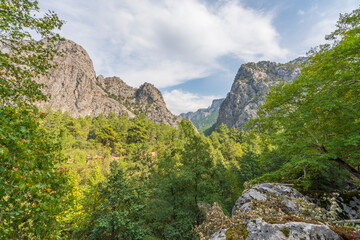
{"points": [[192, 49]]}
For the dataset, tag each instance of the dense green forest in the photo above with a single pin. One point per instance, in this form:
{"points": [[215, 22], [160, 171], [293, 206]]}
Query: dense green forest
{"points": [[206, 122], [110, 177], [140, 175]]}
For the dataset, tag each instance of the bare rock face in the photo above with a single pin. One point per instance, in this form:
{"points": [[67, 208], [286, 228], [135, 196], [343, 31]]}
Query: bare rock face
{"points": [[248, 90], [74, 87], [153, 105]]}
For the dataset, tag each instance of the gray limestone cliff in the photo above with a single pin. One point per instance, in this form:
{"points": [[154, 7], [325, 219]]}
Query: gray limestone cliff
{"points": [[204, 117], [248, 90], [74, 87]]}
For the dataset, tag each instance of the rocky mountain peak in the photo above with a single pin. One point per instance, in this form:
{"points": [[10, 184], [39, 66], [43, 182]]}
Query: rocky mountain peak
{"points": [[148, 94], [74, 87], [216, 103], [251, 83]]}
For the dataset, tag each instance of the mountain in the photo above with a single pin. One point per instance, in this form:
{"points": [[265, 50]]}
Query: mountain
{"points": [[74, 87], [204, 117], [251, 83]]}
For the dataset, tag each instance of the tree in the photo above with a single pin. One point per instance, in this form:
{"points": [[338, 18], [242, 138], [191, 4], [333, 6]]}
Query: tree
{"points": [[23, 58], [315, 119], [119, 215], [32, 186]]}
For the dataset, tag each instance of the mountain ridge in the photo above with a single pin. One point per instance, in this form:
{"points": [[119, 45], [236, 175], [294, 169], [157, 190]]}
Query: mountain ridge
{"points": [[250, 85], [74, 87], [204, 117]]}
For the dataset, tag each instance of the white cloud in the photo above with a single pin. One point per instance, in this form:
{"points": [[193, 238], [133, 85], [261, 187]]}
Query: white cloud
{"points": [[178, 101], [326, 21], [300, 12], [166, 42]]}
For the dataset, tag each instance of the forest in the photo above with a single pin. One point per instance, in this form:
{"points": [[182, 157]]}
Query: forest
{"points": [[110, 177]]}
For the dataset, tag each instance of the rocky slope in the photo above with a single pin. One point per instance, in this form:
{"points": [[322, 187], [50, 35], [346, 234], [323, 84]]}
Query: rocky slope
{"points": [[248, 90], [204, 117], [74, 87], [275, 211]]}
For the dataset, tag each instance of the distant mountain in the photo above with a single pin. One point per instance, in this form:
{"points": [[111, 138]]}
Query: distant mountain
{"points": [[250, 85], [74, 87], [204, 117]]}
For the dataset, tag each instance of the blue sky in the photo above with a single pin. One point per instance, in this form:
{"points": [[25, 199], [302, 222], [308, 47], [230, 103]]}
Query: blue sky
{"points": [[192, 49]]}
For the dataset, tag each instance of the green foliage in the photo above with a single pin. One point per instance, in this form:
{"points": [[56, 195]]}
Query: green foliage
{"points": [[206, 122], [119, 215], [25, 58], [181, 169], [137, 133], [32, 187], [314, 121]]}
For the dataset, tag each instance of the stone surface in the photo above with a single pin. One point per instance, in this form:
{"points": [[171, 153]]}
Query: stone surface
{"points": [[74, 87], [248, 90], [220, 235], [350, 205], [261, 230], [261, 192], [265, 228]]}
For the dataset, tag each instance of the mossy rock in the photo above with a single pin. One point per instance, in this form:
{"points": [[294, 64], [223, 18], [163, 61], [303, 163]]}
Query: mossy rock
{"points": [[286, 232], [238, 232]]}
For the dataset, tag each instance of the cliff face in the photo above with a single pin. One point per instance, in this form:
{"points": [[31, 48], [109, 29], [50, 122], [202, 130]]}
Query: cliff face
{"points": [[74, 87], [146, 99], [248, 90], [204, 117]]}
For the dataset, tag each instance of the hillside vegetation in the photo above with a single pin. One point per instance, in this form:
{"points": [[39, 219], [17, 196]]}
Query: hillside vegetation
{"points": [[110, 177]]}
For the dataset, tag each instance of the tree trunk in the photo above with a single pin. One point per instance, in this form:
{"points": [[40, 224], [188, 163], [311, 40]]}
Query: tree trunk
{"points": [[347, 167]]}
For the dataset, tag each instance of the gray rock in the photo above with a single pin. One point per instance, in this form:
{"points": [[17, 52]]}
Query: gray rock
{"points": [[258, 229], [261, 192], [351, 207], [74, 87], [261, 230], [220, 235], [248, 90]]}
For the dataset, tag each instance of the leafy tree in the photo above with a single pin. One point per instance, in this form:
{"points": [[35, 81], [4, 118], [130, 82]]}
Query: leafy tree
{"points": [[107, 136], [138, 132], [315, 119], [32, 187], [119, 216], [23, 58]]}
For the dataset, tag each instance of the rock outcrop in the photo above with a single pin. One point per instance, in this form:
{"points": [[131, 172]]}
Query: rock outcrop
{"points": [[261, 230], [272, 211], [248, 90], [204, 117], [262, 192], [74, 87]]}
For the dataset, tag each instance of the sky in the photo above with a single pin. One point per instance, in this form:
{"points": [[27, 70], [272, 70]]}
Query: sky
{"points": [[192, 49]]}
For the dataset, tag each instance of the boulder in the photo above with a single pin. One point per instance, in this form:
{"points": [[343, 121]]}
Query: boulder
{"points": [[262, 192], [261, 230]]}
